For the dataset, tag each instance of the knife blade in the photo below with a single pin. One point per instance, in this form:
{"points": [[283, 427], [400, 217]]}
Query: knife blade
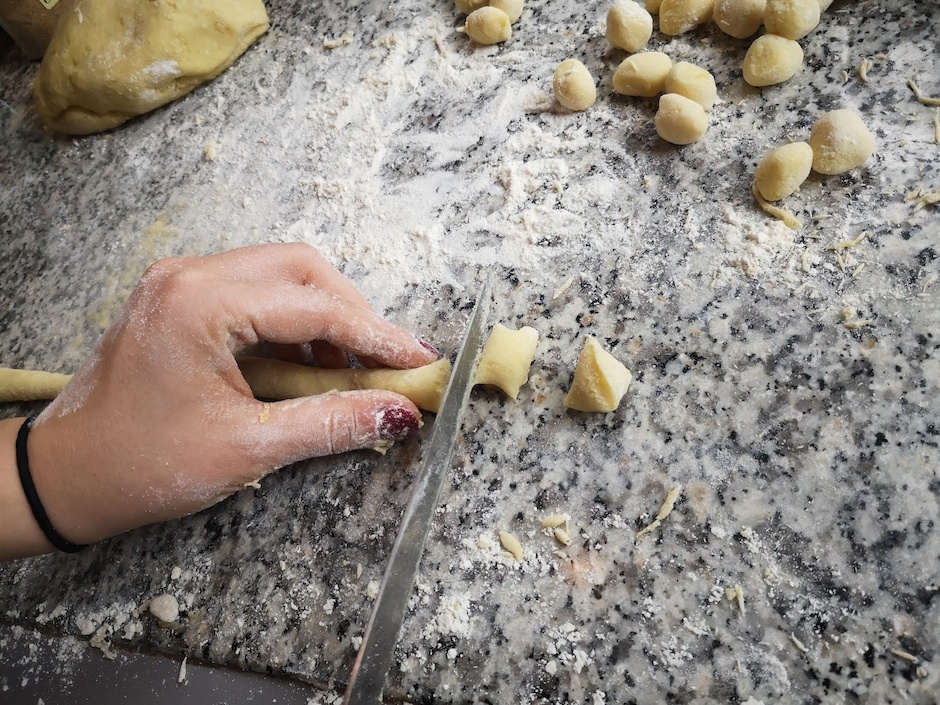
{"points": [[367, 679]]}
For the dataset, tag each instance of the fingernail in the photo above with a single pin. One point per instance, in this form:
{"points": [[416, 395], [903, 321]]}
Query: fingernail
{"points": [[397, 423], [430, 348]]}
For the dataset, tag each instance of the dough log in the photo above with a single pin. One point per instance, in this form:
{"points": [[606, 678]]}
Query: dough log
{"points": [[275, 379], [272, 379]]}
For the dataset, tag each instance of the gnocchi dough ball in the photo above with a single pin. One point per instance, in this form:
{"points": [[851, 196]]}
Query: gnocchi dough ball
{"points": [[793, 19], [468, 6], [600, 380], [574, 86], [772, 59], [652, 6], [506, 358], [512, 8], [643, 74], [783, 170], [840, 142], [115, 59], [488, 25], [680, 16], [739, 18], [693, 82], [629, 26], [680, 120]]}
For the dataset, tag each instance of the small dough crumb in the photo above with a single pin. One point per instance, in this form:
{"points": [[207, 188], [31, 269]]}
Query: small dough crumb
{"points": [[600, 380], [664, 511], [511, 544], [783, 170], [788, 219], [680, 120], [643, 75], [629, 26], [771, 59], [840, 142], [488, 25], [574, 86], [165, 608]]}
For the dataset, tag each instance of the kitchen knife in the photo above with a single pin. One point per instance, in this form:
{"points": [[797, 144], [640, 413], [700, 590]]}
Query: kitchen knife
{"points": [[367, 679]]}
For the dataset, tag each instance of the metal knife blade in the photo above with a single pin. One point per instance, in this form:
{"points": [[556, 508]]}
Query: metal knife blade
{"points": [[367, 679]]}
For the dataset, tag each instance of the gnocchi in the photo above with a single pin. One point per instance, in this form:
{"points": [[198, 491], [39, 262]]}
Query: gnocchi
{"points": [[574, 85], [629, 26], [600, 380], [693, 82], [840, 142], [782, 171], [506, 358], [488, 25], [772, 59], [680, 120], [643, 74]]}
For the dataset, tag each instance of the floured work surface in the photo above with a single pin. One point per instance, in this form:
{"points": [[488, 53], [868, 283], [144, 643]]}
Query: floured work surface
{"points": [[787, 380]]}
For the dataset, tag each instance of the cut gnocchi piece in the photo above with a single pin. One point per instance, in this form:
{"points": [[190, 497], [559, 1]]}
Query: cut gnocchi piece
{"points": [[506, 358], [629, 26], [840, 142], [693, 82], [783, 170], [680, 120], [681, 16], [643, 75], [600, 380], [488, 25], [512, 8], [574, 85], [739, 18]]}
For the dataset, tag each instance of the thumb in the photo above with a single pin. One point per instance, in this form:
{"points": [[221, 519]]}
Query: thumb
{"points": [[287, 431]]}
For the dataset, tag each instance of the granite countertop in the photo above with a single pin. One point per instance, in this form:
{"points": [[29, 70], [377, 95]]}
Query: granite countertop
{"points": [[788, 383]]}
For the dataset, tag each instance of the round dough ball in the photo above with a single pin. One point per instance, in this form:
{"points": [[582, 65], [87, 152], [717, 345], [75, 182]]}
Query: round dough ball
{"points": [[771, 59], [739, 18], [840, 142], [512, 8], [680, 16], [783, 170], [574, 86], [792, 19], [468, 6], [680, 120], [488, 25], [117, 59], [165, 608], [629, 26], [643, 74], [652, 6], [693, 82]]}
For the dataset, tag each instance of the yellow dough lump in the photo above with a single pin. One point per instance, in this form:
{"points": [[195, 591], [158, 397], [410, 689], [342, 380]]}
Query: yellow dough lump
{"points": [[771, 59], [600, 380], [739, 18], [693, 82], [488, 25], [652, 6], [629, 26], [680, 120], [512, 8], [643, 74], [783, 170], [681, 16], [574, 85], [110, 60], [506, 358], [793, 19], [468, 6], [840, 142]]}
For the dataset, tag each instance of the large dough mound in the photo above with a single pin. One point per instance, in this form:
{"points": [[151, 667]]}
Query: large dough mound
{"points": [[111, 60]]}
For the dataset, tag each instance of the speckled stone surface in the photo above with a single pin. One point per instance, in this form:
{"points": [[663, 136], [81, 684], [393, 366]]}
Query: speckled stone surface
{"points": [[787, 382]]}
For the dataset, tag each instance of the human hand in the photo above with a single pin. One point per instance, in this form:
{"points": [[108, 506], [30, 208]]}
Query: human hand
{"points": [[159, 422]]}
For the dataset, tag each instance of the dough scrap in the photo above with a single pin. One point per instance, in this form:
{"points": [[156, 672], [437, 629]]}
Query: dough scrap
{"points": [[30, 385], [600, 380], [111, 60], [506, 358], [276, 379]]}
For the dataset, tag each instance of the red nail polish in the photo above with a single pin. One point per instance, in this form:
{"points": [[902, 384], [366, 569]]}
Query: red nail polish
{"points": [[430, 348], [396, 424]]}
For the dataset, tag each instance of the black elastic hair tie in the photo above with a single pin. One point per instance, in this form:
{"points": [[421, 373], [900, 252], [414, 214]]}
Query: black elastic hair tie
{"points": [[22, 464]]}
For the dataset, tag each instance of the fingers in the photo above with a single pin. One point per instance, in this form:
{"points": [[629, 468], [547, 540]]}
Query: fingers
{"points": [[295, 262], [294, 314], [287, 431]]}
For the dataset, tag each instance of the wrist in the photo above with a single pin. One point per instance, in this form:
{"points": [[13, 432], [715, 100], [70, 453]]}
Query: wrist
{"points": [[20, 534]]}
